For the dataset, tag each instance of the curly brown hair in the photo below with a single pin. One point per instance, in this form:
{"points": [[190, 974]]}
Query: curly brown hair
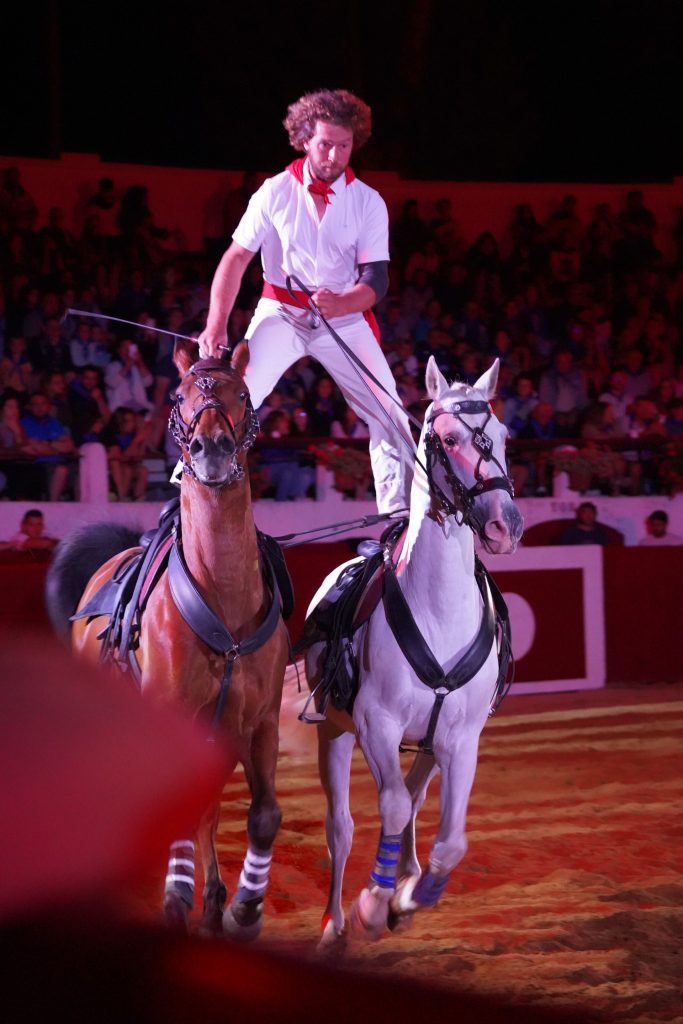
{"points": [[335, 106]]}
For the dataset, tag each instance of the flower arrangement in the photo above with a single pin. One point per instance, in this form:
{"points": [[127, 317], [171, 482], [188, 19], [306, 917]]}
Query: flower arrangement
{"points": [[583, 464], [350, 466]]}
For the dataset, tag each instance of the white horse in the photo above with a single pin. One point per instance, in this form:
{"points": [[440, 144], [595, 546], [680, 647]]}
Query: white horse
{"points": [[442, 630]]}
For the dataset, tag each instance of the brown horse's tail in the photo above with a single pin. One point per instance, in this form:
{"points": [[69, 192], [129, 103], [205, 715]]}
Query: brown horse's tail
{"points": [[75, 560]]}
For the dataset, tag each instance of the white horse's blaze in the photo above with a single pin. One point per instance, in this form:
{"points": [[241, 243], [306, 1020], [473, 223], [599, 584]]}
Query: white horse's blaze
{"points": [[436, 576]]}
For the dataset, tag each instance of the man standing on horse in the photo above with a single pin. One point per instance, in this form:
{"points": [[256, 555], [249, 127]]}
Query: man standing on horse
{"points": [[318, 222]]}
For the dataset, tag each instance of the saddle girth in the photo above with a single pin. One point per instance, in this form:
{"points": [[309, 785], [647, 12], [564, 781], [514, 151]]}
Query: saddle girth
{"points": [[419, 656]]}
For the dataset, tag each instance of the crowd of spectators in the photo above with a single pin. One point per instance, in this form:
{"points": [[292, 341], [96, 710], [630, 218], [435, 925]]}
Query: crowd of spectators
{"points": [[584, 315]]}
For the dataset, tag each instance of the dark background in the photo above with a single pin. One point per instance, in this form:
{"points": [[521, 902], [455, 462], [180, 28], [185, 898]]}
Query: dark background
{"points": [[468, 89]]}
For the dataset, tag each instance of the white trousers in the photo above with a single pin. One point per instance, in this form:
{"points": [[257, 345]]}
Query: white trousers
{"points": [[280, 335]]}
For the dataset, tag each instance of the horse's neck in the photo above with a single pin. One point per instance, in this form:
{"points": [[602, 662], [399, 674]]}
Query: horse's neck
{"points": [[437, 575], [219, 543]]}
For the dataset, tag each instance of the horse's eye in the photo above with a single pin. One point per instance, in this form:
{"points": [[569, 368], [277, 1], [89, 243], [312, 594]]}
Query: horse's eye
{"points": [[177, 397], [450, 441], [243, 396]]}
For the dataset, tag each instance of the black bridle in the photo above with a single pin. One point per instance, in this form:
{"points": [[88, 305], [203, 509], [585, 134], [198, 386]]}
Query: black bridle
{"points": [[462, 503], [208, 385]]}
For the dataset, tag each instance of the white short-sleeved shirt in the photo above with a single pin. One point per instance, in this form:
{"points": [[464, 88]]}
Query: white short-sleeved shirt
{"points": [[281, 220]]}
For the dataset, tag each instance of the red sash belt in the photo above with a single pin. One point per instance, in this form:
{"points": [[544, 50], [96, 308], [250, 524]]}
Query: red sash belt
{"points": [[300, 299]]}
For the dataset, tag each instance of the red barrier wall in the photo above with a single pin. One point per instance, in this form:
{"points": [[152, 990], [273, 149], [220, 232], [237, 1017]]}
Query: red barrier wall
{"points": [[643, 614], [643, 603]]}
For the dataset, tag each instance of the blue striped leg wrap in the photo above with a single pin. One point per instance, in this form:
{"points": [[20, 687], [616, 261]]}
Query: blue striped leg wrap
{"points": [[254, 878], [384, 872], [429, 889], [180, 873]]}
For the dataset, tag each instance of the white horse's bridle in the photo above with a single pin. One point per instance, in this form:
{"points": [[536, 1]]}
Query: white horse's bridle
{"points": [[462, 503]]}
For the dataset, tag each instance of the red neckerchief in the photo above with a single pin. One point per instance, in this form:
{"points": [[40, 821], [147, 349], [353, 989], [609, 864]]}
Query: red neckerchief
{"points": [[321, 188]]}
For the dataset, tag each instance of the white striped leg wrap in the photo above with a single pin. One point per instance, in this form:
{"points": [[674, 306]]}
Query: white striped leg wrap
{"points": [[254, 878], [180, 873]]}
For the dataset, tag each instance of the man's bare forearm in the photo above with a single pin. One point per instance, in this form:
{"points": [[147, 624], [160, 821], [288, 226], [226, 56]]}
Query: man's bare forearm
{"points": [[224, 288], [357, 300]]}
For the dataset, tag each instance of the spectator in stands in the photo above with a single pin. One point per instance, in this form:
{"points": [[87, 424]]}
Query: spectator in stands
{"points": [[51, 444], [87, 403], [642, 423], [454, 288], [21, 477], [126, 442], [31, 535], [16, 368], [586, 529], [427, 258], [415, 296], [141, 237], [637, 225], [50, 352], [81, 346], [322, 407], [564, 388], [564, 227], [18, 211], [104, 205], [444, 231], [56, 389], [601, 235], [657, 531], [471, 327], [616, 395], [166, 380], [57, 246], [281, 464], [349, 425], [127, 378], [519, 405], [524, 228], [673, 422], [409, 232], [531, 468], [393, 324]]}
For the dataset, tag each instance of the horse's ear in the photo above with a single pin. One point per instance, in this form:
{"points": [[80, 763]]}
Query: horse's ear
{"points": [[240, 358], [488, 382], [184, 355], [435, 382]]}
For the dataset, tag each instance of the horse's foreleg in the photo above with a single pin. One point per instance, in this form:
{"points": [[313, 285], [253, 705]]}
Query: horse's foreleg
{"points": [[215, 893], [243, 917], [417, 780], [335, 749], [379, 736], [179, 888], [457, 776]]}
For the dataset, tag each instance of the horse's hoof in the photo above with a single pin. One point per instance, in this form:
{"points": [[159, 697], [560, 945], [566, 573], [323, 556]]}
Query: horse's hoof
{"points": [[402, 906], [176, 914], [243, 921], [332, 939], [368, 918]]}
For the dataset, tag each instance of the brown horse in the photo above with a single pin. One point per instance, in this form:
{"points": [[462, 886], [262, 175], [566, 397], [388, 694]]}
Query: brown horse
{"points": [[233, 673]]}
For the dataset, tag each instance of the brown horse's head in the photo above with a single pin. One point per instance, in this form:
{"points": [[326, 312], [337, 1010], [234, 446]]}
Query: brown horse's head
{"points": [[213, 420]]}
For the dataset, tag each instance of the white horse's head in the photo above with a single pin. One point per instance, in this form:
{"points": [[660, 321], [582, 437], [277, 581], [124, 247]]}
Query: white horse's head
{"points": [[464, 447]]}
